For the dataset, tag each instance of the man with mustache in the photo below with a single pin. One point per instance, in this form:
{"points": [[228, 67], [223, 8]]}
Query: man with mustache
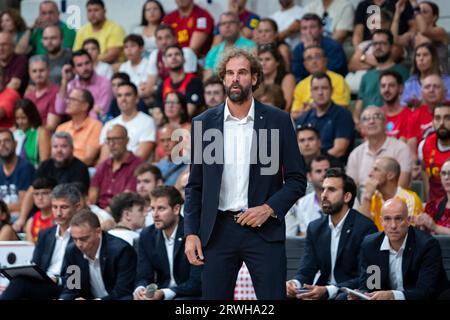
{"points": [[332, 242], [369, 91], [434, 151], [236, 206]]}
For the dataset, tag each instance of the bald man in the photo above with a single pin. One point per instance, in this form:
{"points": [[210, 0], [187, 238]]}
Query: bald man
{"points": [[407, 261]]}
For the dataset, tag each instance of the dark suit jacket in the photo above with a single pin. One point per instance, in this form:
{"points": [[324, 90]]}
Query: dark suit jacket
{"points": [[153, 261], [280, 190], [118, 265], [423, 272], [317, 255], [45, 246]]}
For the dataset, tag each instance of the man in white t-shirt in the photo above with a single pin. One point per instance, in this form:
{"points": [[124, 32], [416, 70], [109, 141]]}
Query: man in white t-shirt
{"points": [[285, 17], [158, 72], [136, 66], [141, 127]]}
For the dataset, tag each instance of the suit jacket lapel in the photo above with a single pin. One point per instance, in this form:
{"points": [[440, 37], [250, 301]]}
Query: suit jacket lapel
{"points": [[259, 122], [103, 256], [178, 239], [217, 123], [324, 247], [384, 268], [161, 248], [51, 247], [408, 253]]}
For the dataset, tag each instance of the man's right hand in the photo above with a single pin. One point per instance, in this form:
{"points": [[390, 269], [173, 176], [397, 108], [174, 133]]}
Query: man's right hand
{"points": [[139, 294], [291, 289], [193, 250], [66, 73]]}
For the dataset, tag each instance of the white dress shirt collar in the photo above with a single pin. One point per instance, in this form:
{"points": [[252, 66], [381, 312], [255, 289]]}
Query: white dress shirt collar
{"points": [[227, 116], [172, 236], [386, 246], [65, 235], [340, 225], [97, 254]]}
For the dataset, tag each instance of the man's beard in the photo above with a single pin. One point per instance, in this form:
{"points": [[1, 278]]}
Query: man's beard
{"points": [[334, 208], [62, 164], [54, 51], [7, 158], [238, 97], [443, 134], [391, 100], [177, 68], [383, 58]]}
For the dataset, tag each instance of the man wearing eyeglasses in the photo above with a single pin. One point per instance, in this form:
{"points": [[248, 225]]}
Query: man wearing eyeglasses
{"points": [[84, 130], [378, 144], [116, 174], [229, 30]]}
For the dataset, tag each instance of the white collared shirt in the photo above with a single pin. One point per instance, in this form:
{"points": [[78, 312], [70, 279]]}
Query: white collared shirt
{"points": [[95, 274], [238, 134], [170, 246], [336, 232], [395, 267], [54, 269]]}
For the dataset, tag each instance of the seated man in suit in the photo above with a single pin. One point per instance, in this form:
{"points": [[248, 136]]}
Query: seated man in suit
{"points": [[409, 260], [161, 251], [332, 242], [50, 248], [107, 264]]}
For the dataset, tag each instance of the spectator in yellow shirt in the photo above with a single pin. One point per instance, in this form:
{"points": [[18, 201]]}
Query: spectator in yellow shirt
{"points": [[109, 34], [381, 186], [316, 61]]}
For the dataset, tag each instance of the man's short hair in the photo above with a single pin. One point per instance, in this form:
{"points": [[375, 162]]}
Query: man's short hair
{"points": [[131, 85], [44, 183], [147, 167], [135, 38], [95, 2], [57, 27], [172, 46], [170, 192], [314, 17], [83, 188], [123, 201], [39, 58], [398, 78], [85, 216], [321, 75], [163, 26], [66, 191], [213, 80], [388, 33], [392, 165], [348, 182], [318, 158], [121, 75], [314, 46], [441, 105], [255, 66], [308, 127], [80, 53], [63, 135]]}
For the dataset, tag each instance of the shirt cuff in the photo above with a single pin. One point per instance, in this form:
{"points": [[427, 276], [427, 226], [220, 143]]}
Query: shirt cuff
{"points": [[168, 294], [299, 285], [332, 291], [398, 295]]}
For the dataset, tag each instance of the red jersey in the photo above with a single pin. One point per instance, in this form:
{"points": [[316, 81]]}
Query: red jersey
{"points": [[432, 209], [420, 124], [38, 224], [199, 20], [168, 87], [397, 126], [433, 159]]}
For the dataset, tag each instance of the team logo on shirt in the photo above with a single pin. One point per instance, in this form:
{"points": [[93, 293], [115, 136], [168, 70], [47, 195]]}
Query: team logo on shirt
{"points": [[201, 23]]}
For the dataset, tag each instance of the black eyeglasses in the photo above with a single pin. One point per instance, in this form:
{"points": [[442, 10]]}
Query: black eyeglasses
{"points": [[267, 46]]}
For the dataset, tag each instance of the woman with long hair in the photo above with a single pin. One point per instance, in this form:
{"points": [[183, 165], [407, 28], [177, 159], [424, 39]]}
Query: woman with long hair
{"points": [[11, 21], [33, 140], [275, 73], [152, 15], [7, 232], [425, 63]]}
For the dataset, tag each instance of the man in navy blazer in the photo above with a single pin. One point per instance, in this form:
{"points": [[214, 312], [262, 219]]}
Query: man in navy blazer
{"points": [[241, 185], [153, 258], [106, 264], [409, 260], [332, 242], [49, 252]]}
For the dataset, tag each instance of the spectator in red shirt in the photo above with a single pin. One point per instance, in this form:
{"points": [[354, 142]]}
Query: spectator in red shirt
{"points": [[116, 174], [43, 93], [8, 99], [434, 150], [397, 117], [193, 25], [14, 65]]}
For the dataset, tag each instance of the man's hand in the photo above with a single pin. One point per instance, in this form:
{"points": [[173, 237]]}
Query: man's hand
{"points": [[316, 293], [139, 294], [381, 295], [424, 222], [159, 295], [291, 288], [66, 73], [193, 250], [370, 187], [256, 216]]}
